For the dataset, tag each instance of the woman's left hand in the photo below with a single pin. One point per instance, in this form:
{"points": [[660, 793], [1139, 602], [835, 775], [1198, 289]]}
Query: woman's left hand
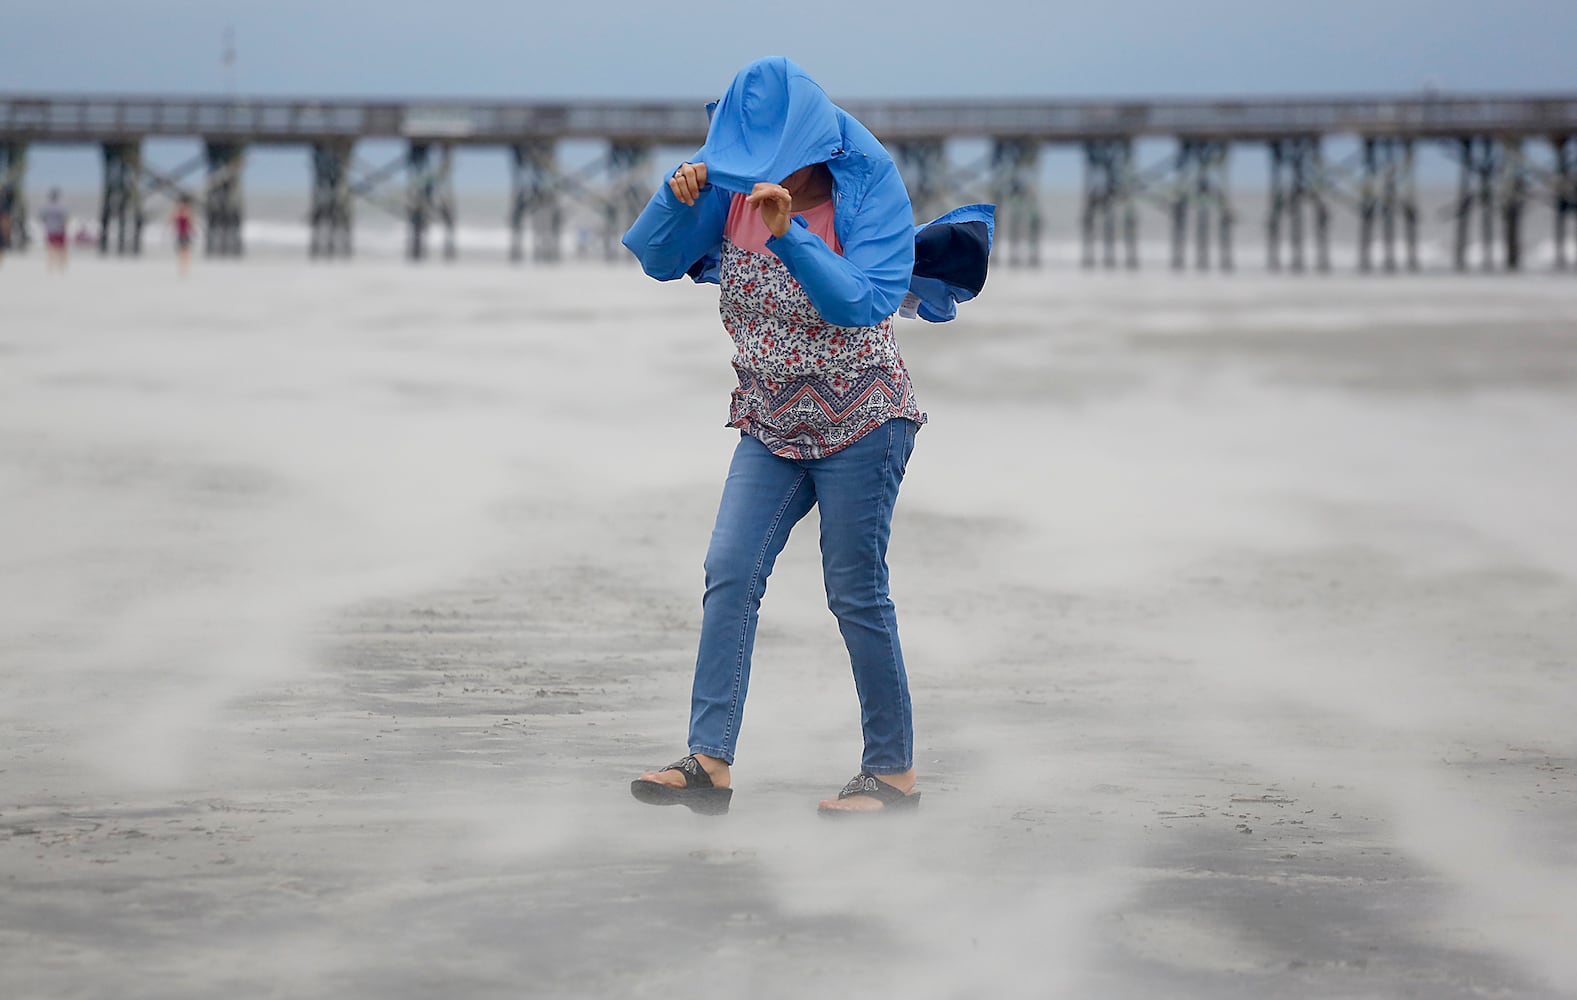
{"points": [[776, 205]]}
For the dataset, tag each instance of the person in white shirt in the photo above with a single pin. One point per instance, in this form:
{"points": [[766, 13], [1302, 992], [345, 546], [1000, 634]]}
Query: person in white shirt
{"points": [[56, 220]]}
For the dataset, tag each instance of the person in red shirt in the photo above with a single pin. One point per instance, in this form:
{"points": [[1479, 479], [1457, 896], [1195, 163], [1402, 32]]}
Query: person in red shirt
{"points": [[182, 222]]}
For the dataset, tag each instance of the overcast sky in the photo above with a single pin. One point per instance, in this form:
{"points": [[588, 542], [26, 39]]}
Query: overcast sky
{"points": [[525, 49], [616, 48]]}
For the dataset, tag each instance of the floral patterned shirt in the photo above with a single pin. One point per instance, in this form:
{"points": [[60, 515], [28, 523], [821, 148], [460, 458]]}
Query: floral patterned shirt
{"points": [[807, 388]]}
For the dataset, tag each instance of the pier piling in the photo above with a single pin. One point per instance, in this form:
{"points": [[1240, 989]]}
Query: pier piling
{"points": [[331, 210], [222, 209], [1485, 188], [1015, 189], [1297, 178], [923, 164], [121, 218], [1513, 195], [630, 186], [1109, 198], [1387, 196], [430, 196], [13, 191], [1564, 193], [1200, 193], [534, 200]]}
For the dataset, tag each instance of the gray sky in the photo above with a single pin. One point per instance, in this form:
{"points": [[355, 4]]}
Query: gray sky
{"points": [[619, 48], [510, 48]]}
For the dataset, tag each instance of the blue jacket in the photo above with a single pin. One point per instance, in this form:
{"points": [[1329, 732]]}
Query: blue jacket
{"points": [[773, 120]]}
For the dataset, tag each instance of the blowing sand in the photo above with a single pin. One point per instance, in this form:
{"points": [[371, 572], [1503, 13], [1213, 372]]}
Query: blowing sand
{"points": [[339, 605]]}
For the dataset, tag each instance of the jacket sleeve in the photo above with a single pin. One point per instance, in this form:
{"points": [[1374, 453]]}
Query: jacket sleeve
{"points": [[670, 238], [866, 284], [951, 257]]}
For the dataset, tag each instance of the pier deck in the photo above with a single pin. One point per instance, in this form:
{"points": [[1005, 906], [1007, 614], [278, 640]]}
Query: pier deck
{"points": [[1513, 151]]}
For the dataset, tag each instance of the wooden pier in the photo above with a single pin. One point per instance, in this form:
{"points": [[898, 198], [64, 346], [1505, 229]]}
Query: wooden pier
{"points": [[1512, 152]]}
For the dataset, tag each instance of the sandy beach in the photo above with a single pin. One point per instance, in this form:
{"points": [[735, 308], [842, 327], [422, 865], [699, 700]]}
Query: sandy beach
{"points": [[339, 605]]}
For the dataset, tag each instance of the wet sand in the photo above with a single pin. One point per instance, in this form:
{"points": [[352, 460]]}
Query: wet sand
{"points": [[341, 604]]}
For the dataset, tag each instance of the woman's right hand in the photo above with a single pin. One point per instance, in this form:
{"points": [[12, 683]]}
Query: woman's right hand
{"points": [[687, 182]]}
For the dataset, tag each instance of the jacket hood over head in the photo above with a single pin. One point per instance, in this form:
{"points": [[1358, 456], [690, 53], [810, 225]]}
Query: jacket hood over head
{"points": [[772, 120]]}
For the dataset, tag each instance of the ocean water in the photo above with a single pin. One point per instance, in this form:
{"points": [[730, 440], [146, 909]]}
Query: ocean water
{"points": [[276, 225], [482, 232]]}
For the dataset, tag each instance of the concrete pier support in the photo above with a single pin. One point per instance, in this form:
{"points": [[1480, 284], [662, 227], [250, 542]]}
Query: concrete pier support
{"points": [[222, 209], [1387, 196], [1109, 199], [1297, 179], [534, 201], [1492, 183], [1015, 189], [13, 197], [923, 165], [1201, 192], [331, 198], [121, 219], [1564, 201], [1513, 192], [629, 187], [430, 196]]}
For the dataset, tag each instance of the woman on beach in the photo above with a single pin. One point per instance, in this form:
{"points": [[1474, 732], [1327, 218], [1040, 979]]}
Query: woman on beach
{"points": [[799, 214], [182, 222], [56, 221]]}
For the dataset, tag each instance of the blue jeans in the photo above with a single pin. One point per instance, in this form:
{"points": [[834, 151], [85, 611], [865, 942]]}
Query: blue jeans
{"points": [[764, 497]]}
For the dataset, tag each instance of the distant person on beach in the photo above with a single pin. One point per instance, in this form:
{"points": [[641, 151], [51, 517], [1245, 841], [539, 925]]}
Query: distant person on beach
{"points": [[56, 222], [799, 214], [5, 227], [182, 222]]}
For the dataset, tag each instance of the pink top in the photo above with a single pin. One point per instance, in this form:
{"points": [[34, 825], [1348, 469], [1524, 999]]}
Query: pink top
{"points": [[807, 388], [745, 229]]}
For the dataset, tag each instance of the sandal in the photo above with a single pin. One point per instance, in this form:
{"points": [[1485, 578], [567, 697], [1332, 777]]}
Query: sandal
{"points": [[864, 783], [698, 792]]}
